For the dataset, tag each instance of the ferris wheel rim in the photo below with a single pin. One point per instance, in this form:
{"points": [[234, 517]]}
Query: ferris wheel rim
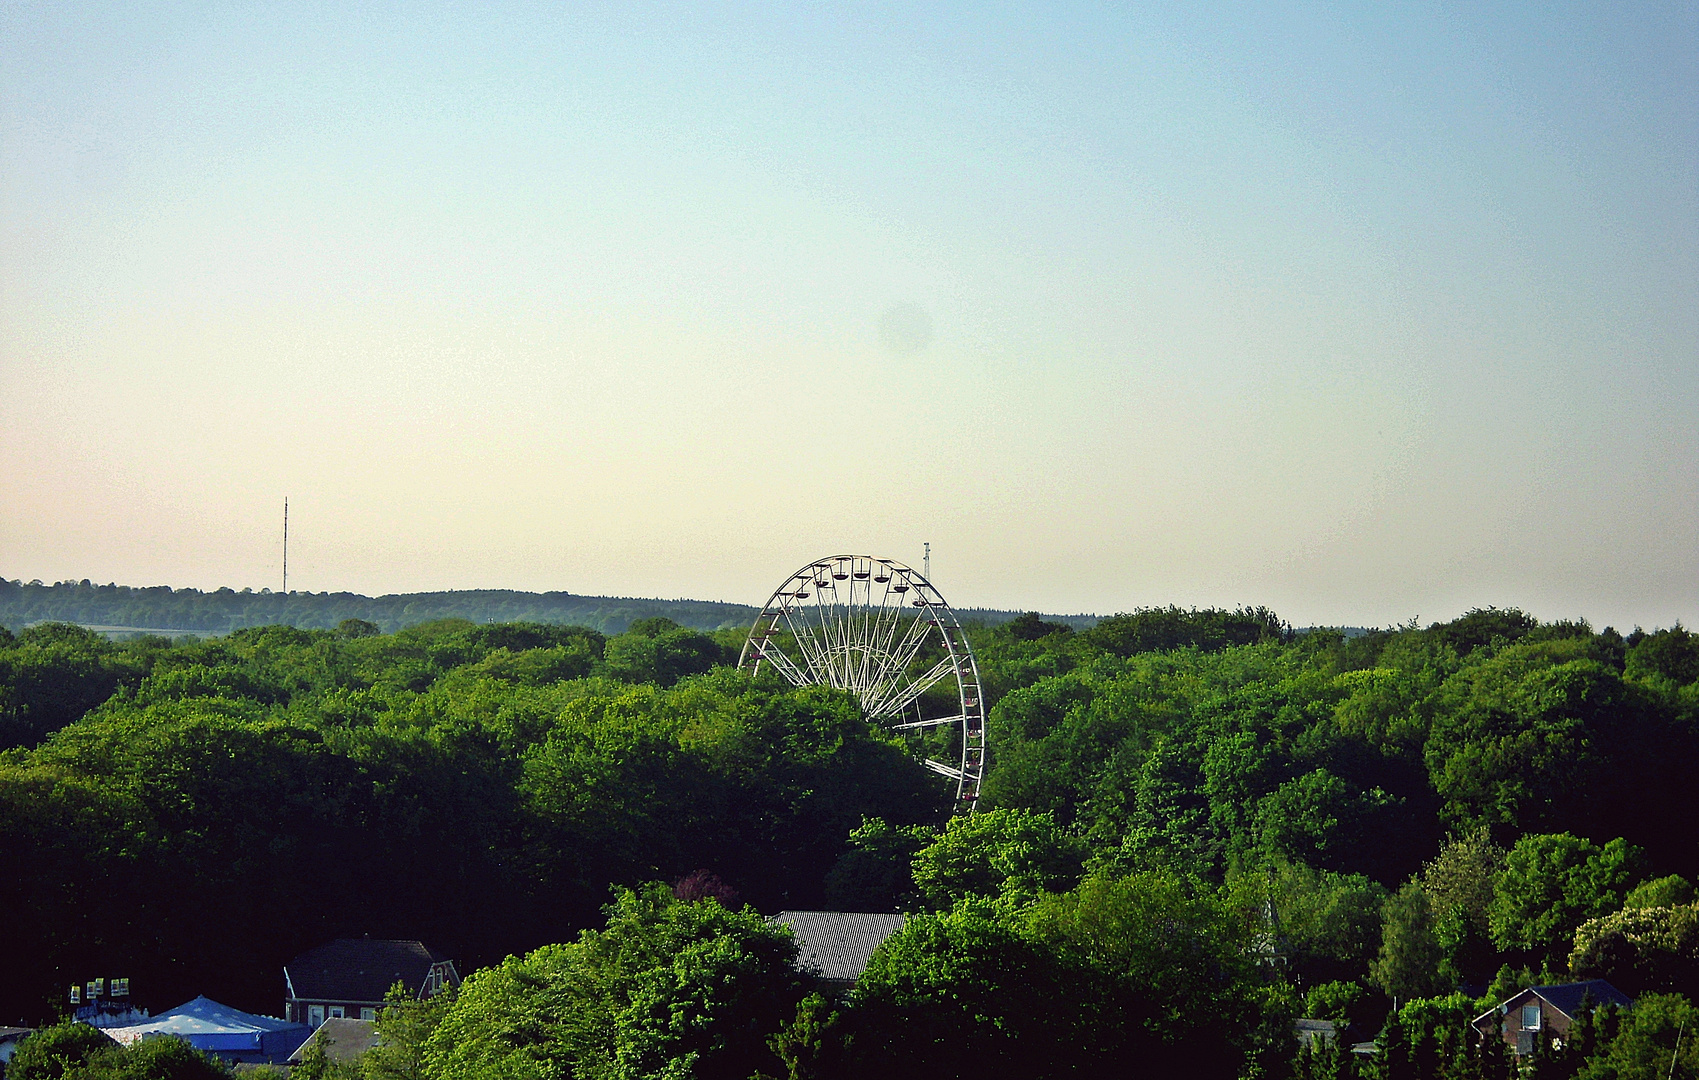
{"points": [[835, 635]]}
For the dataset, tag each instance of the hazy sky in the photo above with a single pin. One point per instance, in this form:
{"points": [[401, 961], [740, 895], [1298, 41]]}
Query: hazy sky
{"points": [[1362, 311]]}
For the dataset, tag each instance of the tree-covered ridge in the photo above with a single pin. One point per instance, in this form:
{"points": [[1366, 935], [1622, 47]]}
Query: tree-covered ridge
{"points": [[162, 608], [220, 611], [1197, 826]]}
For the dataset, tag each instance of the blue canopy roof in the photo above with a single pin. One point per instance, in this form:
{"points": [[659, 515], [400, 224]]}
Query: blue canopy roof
{"points": [[206, 1025]]}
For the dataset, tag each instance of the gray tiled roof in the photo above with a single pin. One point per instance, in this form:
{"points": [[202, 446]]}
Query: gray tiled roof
{"points": [[359, 969], [340, 1039], [1567, 996], [836, 944]]}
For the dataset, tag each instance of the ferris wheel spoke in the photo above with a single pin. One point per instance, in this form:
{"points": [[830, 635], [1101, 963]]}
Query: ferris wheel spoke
{"points": [[912, 692], [820, 645], [945, 770], [837, 632], [914, 635], [900, 656], [910, 648], [861, 656], [784, 665], [762, 645], [832, 628], [872, 667], [861, 624], [938, 721], [808, 647]]}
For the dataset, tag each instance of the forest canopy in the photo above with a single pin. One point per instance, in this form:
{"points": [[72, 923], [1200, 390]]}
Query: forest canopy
{"points": [[1197, 827]]}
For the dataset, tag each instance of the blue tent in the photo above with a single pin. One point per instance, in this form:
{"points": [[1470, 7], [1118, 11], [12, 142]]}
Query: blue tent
{"points": [[217, 1029]]}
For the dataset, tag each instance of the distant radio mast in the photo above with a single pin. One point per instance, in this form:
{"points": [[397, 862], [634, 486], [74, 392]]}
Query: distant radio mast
{"points": [[285, 545], [926, 563]]}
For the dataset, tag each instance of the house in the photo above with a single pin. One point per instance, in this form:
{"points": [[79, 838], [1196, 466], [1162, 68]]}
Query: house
{"points": [[1545, 1012], [836, 945], [341, 1040], [219, 1030], [351, 977]]}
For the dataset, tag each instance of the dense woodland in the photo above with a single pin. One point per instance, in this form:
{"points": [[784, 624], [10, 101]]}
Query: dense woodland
{"points": [[1198, 826]]}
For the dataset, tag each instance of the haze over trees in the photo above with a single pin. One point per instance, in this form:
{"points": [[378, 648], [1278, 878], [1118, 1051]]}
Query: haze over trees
{"points": [[162, 608], [1198, 825]]}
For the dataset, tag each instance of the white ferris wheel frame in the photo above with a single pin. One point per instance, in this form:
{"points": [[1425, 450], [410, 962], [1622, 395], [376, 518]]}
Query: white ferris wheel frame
{"points": [[846, 615]]}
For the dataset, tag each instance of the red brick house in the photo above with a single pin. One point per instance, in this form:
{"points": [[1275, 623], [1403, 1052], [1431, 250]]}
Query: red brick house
{"points": [[1545, 1012]]}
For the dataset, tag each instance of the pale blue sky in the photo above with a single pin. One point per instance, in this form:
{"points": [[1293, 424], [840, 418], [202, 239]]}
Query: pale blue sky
{"points": [[1364, 312]]}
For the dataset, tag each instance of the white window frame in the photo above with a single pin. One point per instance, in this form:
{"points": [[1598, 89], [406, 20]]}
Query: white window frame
{"points": [[368, 1013], [337, 1012], [1531, 1010], [315, 1015]]}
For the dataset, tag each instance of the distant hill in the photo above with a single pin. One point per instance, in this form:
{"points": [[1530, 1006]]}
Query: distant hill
{"points": [[119, 609]]}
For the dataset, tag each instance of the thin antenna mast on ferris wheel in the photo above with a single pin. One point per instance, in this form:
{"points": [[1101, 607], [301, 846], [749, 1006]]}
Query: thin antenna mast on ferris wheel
{"points": [[926, 562], [285, 545]]}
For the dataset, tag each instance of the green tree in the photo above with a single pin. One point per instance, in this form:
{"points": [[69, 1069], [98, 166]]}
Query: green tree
{"points": [[404, 1027], [1641, 948], [1671, 891], [74, 1051], [1459, 882], [964, 993], [666, 989], [1429, 1039], [1671, 654], [816, 1045], [1411, 963], [156, 1059], [1320, 819], [1335, 1001], [57, 1052], [1029, 627], [877, 872], [1480, 627], [1325, 1059], [1180, 956], [1150, 629], [1644, 1042], [1330, 923], [999, 852], [509, 1021], [660, 651], [1525, 737], [1459, 885], [54, 673], [1551, 884]]}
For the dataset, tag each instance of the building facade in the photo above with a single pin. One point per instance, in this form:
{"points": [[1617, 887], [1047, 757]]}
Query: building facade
{"points": [[350, 978], [1544, 1013]]}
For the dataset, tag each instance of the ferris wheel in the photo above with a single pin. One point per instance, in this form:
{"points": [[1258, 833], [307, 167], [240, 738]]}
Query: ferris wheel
{"points": [[878, 629]]}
